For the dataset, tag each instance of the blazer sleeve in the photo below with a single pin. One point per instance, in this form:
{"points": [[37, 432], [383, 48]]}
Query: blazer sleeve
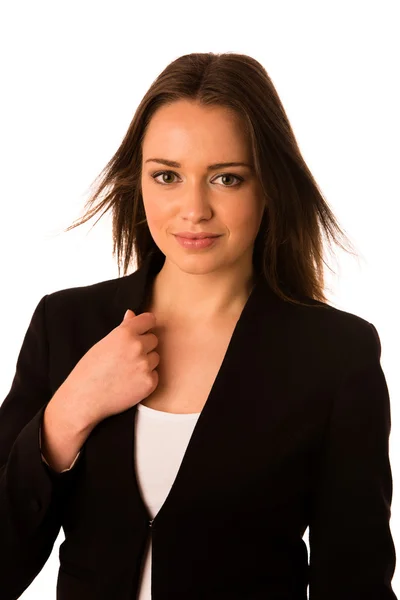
{"points": [[29, 489], [45, 461], [352, 554]]}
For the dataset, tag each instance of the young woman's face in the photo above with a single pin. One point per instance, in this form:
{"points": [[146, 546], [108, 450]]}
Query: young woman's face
{"points": [[226, 200]]}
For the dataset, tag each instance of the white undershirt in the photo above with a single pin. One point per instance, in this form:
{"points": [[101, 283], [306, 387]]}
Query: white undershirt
{"points": [[161, 439]]}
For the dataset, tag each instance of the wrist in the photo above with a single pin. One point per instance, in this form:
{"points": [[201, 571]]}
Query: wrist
{"points": [[68, 410]]}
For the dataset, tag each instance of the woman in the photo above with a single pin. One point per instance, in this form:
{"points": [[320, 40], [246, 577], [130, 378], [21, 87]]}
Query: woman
{"points": [[196, 416]]}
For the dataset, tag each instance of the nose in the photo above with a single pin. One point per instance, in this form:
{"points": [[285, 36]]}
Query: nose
{"points": [[195, 203]]}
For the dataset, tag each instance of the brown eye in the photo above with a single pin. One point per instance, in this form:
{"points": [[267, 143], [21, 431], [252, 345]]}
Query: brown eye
{"points": [[162, 173], [228, 175]]}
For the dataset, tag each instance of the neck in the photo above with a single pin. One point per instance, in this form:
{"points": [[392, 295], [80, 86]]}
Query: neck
{"points": [[186, 297]]}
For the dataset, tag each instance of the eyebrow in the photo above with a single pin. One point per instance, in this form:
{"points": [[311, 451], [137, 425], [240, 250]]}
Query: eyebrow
{"points": [[172, 163]]}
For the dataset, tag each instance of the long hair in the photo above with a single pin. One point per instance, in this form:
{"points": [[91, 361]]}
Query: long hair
{"points": [[288, 249]]}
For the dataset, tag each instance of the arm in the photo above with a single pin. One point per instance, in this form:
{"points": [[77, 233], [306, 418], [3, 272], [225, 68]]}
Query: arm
{"points": [[47, 453], [29, 519], [352, 555]]}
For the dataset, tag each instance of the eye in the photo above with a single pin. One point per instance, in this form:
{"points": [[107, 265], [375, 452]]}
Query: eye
{"points": [[240, 179], [159, 173]]}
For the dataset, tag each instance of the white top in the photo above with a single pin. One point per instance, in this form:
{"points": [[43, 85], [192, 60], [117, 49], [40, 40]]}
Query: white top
{"points": [[161, 439]]}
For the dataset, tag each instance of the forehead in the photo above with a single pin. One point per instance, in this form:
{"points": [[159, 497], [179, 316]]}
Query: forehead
{"points": [[188, 124]]}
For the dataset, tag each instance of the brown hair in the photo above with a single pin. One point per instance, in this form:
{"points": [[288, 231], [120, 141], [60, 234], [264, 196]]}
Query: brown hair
{"points": [[288, 247]]}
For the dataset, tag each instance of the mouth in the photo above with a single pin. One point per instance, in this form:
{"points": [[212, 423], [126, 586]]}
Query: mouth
{"points": [[199, 237], [197, 243]]}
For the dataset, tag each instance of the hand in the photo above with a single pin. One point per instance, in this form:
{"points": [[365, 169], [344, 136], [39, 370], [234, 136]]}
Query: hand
{"points": [[115, 374]]}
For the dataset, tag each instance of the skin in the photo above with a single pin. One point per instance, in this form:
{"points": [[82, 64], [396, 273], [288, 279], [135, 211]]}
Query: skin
{"points": [[190, 198]]}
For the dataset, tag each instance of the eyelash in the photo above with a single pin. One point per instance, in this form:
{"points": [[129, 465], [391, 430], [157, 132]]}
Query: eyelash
{"points": [[240, 179]]}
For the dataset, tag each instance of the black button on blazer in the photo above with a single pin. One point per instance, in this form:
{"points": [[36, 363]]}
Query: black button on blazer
{"points": [[294, 434]]}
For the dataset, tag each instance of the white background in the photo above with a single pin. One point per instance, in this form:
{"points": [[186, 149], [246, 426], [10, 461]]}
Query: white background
{"points": [[72, 75]]}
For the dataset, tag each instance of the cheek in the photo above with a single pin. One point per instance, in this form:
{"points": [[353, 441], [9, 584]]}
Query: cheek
{"points": [[158, 221], [244, 218], [156, 211], [154, 219]]}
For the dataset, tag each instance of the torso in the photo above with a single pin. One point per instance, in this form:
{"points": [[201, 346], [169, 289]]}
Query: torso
{"points": [[189, 364]]}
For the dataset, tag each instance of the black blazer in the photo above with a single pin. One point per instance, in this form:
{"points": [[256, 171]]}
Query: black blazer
{"points": [[294, 433]]}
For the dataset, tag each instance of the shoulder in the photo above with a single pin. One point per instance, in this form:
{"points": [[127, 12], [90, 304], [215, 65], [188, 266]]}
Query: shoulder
{"points": [[344, 339], [87, 301], [92, 289]]}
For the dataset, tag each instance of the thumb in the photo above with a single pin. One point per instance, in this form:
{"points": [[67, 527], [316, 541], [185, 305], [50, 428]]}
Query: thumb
{"points": [[128, 314]]}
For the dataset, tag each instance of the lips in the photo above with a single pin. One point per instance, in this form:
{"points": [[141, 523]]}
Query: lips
{"points": [[201, 236], [197, 244]]}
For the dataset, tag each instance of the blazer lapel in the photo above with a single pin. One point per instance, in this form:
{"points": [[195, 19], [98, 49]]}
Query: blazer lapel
{"points": [[111, 448]]}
